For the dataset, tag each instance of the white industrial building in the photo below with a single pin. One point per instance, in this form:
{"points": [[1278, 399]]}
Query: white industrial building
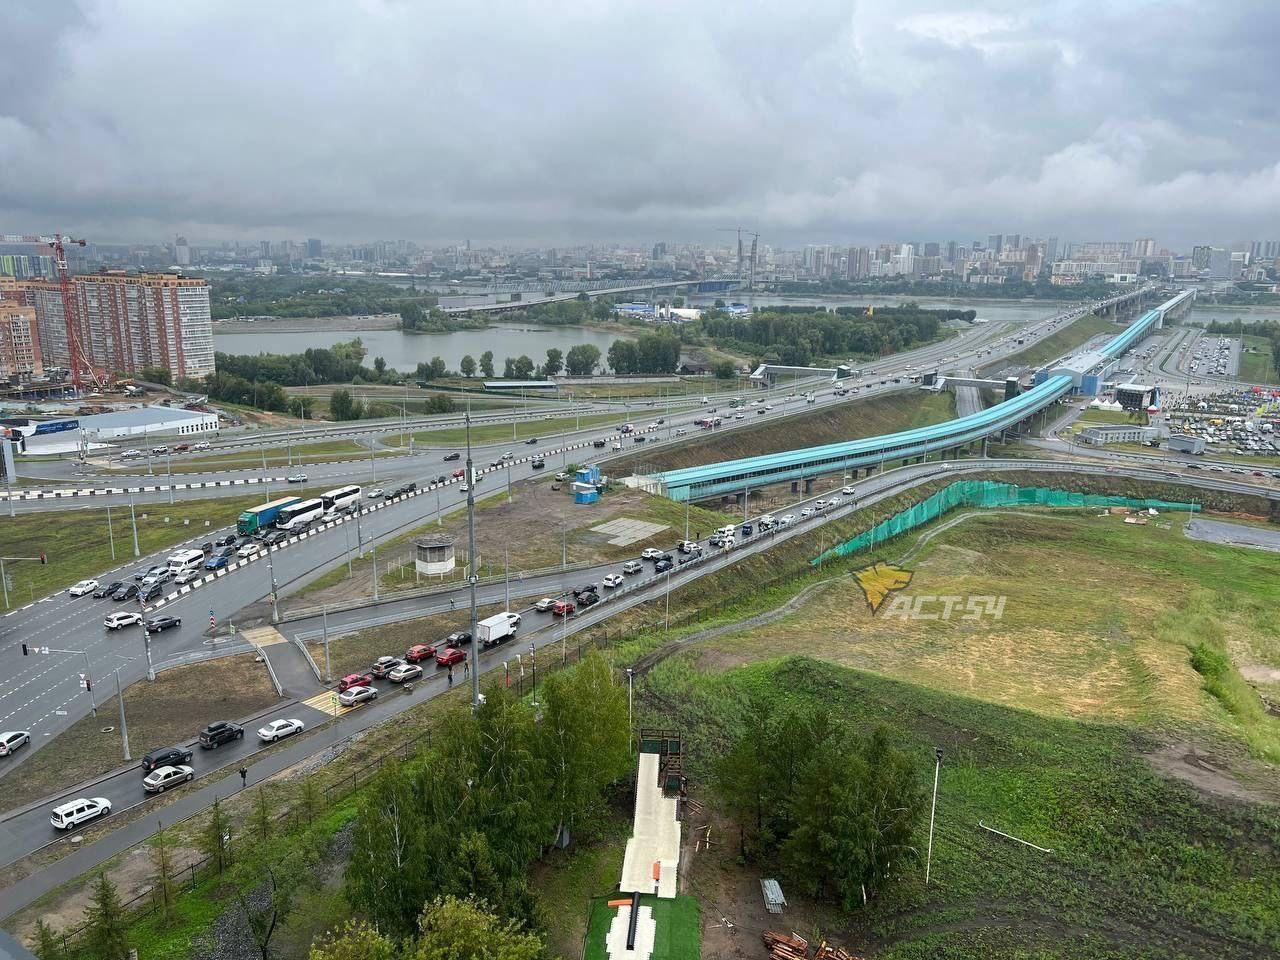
{"points": [[145, 422]]}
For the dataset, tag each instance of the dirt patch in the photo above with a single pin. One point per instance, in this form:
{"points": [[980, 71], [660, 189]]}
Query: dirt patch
{"points": [[170, 709], [1260, 673], [1207, 774], [133, 875]]}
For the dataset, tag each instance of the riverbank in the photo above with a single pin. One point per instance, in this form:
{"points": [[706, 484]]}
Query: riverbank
{"points": [[375, 321]]}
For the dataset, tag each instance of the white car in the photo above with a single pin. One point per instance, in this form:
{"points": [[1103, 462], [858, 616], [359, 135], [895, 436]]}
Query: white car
{"points": [[297, 478], [820, 504], [278, 729], [727, 543], [201, 445], [353, 695], [464, 487], [186, 576], [75, 812], [406, 671], [11, 740], [251, 549], [650, 553], [806, 512], [374, 493], [161, 779], [508, 455], [115, 621], [787, 520], [616, 446], [83, 587], [847, 491], [834, 502], [632, 566], [686, 546], [543, 605], [611, 580]]}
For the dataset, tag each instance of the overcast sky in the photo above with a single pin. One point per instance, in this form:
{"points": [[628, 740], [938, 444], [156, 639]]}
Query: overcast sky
{"points": [[526, 122]]}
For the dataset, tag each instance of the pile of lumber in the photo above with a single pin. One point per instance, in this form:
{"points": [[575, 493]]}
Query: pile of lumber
{"points": [[784, 947], [792, 946]]}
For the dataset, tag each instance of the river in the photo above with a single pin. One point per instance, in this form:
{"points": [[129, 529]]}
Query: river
{"points": [[404, 351]]}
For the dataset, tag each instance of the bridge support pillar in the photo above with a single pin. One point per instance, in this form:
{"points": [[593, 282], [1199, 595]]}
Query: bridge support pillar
{"points": [[795, 486], [808, 486]]}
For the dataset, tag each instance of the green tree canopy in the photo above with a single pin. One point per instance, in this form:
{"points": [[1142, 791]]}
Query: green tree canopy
{"points": [[581, 360], [486, 364], [468, 365]]}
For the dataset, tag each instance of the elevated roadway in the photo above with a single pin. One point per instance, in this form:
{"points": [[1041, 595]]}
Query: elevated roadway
{"points": [[803, 465]]}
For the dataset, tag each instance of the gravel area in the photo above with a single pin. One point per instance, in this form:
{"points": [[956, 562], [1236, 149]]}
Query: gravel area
{"points": [[1233, 534]]}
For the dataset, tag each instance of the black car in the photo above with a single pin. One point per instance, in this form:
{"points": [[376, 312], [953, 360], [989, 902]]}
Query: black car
{"points": [[585, 588], [227, 552], [459, 639], [452, 456], [220, 732], [109, 589], [159, 624], [531, 441], [442, 479], [166, 757], [127, 591], [662, 565], [228, 541], [598, 444], [152, 592], [588, 599], [206, 548], [638, 440], [538, 464]]}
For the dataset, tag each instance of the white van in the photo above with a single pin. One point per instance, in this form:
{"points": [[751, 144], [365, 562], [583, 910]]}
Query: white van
{"points": [[185, 560], [728, 530]]}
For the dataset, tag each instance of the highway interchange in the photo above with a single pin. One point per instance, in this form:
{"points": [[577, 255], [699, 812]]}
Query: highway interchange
{"points": [[42, 693]]}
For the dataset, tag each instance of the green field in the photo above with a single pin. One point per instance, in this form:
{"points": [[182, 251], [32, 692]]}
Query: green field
{"points": [[1256, 362], [78, 543], [1056, 344], [676, 933]]}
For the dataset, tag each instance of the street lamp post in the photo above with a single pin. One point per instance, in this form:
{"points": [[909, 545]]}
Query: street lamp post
{"points": [[324, 621], [133, 519], [630, 678], [124, 724], [472, 653]]}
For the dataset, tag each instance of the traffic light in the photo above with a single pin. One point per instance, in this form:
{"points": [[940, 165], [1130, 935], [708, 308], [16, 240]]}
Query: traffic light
{"points": [[43, 558]]}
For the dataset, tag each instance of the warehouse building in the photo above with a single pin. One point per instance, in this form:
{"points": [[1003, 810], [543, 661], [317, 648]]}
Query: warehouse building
{"points": [[1186, 443], [148, 422], [1119, 433]]}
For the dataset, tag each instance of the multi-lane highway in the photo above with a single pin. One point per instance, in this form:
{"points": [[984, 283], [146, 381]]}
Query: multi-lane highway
{"points": [[43, 692], [26, 830]]}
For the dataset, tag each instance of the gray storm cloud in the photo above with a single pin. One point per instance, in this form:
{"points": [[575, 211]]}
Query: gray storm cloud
{"points": [[535, 121]]}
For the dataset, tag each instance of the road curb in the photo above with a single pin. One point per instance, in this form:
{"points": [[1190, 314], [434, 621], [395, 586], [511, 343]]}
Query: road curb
{"points": [[125, 768]]}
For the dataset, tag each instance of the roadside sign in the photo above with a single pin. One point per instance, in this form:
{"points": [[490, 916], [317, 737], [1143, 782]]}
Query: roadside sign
{"points": [[212, 622]]}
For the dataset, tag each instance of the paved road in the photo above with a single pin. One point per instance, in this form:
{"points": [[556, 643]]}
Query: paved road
{"points": [[1233, 534], [28, 830]]}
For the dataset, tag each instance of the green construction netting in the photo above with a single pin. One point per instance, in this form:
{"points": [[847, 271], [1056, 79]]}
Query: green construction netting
{"points": [[984, 493]]}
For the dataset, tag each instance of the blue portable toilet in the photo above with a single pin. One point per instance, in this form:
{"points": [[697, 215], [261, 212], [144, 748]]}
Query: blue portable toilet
{"points": [[585, 492]]}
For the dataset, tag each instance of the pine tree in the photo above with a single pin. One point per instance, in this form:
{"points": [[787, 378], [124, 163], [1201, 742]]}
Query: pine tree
{"points": [[108, 934], [48, 944], [215, 837], [260, 816], [162, 859]]}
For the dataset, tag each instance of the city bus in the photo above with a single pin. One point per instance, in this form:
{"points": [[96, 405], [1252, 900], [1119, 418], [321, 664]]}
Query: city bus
{"points": [[300, 514], [336, 500]]}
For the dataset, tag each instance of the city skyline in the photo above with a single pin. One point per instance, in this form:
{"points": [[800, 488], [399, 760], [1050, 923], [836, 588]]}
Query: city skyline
{"points": [[849, 124]]}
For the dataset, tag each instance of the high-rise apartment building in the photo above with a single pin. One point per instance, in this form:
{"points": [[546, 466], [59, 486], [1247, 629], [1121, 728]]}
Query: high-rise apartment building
{"points": [[315, 249], [995, 243], [125, 322], [1144, 247], [182, 253], [19, 343]]}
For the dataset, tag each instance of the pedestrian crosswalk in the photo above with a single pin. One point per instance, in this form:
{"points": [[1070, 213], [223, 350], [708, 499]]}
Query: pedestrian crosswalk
{"points": [[264, 636], [325, 702]]}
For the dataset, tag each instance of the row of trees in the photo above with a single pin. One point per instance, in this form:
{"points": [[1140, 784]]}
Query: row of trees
{"points": [[495, 789], [414, 316], [239, 295], [832, 810], [802, 338], [340, 363], [654, 353], [580, 361], [344, 406], [449, 929]]}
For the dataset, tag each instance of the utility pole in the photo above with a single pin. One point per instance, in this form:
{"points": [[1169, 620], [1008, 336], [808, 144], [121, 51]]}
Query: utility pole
{"points": [[124, 725], [324, 621], [133, 519], [928, 864], [472, 651], [111, 537]]}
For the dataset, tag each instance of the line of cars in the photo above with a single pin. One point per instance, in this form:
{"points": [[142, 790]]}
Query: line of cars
{"points": [[162, 768]]}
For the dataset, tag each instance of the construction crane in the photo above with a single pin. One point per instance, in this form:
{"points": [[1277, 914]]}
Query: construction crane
{"points": [[75, 354], [755, 239]]}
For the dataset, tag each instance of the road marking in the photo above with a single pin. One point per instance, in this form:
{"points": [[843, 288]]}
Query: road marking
{"points": [[323, 702]]}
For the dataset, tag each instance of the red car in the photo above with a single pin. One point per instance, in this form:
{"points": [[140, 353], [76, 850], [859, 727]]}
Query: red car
{"points": [[459, 474], [419, 652], [355, 680], [449, 656], [563, 608]]}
